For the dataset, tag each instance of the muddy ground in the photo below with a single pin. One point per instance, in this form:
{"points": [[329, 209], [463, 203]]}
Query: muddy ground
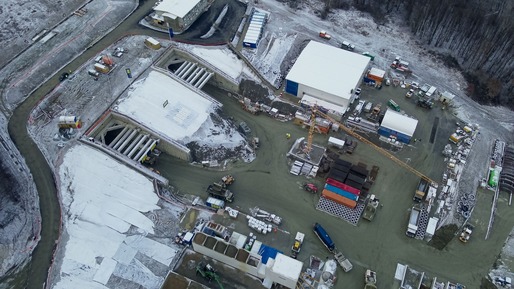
{"points": [[379, 245]]}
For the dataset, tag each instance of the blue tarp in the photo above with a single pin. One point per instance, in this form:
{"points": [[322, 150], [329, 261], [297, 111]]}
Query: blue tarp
{"points": [[268, 252]]}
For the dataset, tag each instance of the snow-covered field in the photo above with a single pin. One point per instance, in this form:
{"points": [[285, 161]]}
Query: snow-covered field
{"points": [[105, 206]]}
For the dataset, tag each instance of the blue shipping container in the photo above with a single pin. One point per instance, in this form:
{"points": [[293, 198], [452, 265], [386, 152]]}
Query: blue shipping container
{"points": [[342, 192]]}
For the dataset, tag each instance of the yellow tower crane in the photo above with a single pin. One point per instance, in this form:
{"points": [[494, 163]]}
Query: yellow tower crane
{"points": [[374, 146], [312, 123]]}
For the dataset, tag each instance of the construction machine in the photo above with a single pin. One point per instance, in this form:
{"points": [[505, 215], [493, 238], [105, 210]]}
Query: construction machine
{"points": [[311, 188], [208, 273]]}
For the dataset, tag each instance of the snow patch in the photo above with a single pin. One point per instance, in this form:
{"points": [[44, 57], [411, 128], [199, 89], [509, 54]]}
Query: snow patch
{"points": [[97, 190], [165, 105]]}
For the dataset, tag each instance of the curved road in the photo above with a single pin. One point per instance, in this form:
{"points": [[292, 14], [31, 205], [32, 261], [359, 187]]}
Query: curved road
{"points": [[34, 274]]}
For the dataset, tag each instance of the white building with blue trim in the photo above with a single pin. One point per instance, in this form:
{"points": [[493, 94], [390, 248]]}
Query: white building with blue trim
{"points": [[326, 75]]}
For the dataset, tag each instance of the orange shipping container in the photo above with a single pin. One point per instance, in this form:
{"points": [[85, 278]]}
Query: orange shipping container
{"points": [[339, 199]]}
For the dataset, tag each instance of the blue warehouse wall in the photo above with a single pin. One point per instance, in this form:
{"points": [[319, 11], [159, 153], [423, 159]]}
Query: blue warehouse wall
{"points": [[383, 131], [292, 87]]}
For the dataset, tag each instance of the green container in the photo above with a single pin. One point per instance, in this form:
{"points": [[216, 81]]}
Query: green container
{"points": [[493, 178]]}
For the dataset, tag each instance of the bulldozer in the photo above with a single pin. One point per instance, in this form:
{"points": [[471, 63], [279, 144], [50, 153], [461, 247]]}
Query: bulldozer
{"points": [[208, 273]]}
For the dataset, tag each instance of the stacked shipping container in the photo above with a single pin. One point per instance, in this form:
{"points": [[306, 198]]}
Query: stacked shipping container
{"points": [[344, 183]]}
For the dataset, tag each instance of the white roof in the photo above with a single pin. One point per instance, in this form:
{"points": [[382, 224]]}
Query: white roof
{"points": [[448, 95], [432, 225], [178, 8], [287, 267], [336, 141], [399, 122], [152, 41], [329, 69], [377, 72], [183, 115], [311, 101]]}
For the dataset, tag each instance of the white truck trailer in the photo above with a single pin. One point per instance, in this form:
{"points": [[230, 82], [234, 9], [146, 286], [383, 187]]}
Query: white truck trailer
{"points": [[412, 228]]}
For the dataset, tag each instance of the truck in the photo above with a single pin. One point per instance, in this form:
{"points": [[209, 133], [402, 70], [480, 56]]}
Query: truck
{"points": [[343, 261], [297, 245], [392, 104], [324, 237], [214, 203], [370, 279], [220, 191], [412, 228], [325, 35], [371, 208], [421, 190]]}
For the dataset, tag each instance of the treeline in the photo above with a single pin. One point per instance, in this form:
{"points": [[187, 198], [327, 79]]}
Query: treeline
{"points": [[475, 35]]}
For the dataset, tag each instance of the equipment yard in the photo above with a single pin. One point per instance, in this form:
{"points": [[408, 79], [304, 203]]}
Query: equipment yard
{"points": [[181, 166]]}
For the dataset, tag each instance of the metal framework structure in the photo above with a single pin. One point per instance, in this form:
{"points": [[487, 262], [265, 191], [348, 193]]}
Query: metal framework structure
{"points": [[312, 121]]}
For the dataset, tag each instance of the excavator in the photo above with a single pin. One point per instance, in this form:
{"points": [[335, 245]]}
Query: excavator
{"points": [[208, 273], [352, 133]]}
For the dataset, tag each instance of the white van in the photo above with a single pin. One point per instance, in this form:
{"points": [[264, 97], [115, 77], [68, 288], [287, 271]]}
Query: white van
{"points": [[347, 45]]}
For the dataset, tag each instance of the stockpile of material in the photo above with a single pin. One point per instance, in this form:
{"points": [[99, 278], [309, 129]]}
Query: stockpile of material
{"points": [[259, 225]]}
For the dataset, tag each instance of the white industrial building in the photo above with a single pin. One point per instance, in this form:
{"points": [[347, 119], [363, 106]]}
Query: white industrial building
{"points": [[270, 268], [327, 76], [397, 126], [178, 15]]}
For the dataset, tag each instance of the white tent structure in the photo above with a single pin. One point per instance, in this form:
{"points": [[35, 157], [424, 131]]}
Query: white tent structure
{"points": [[398, 126]]}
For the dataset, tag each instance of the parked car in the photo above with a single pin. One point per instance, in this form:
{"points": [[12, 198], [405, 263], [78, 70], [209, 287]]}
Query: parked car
{"points": [[410, 93]]}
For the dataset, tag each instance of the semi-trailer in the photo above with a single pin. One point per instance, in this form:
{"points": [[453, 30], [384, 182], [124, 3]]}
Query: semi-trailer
{"points": [[412, 228], [324, 237]]}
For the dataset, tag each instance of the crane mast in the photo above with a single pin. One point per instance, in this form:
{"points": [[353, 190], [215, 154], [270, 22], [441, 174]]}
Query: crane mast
{"points": [[312, 123]]}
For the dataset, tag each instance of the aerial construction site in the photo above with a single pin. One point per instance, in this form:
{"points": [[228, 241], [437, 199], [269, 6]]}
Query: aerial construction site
{"points": [[223, 147]]}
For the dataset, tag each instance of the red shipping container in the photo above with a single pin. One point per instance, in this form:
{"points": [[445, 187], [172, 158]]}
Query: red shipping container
{"points": [[339, 199], [345, 187]]}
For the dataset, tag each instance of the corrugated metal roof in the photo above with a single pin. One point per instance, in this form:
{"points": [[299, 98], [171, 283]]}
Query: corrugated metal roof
{"points": [[329, 69], [179, 8], [399, 122], [252, 35]]}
